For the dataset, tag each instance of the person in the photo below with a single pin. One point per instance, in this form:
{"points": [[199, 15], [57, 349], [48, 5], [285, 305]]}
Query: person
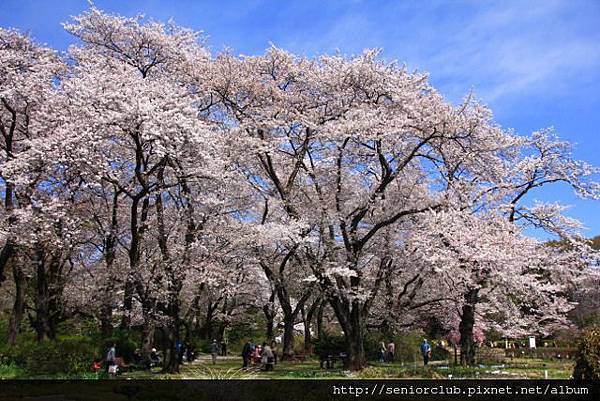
{"points": [[267, 358], [154, 358], [425, 351], [257, 354], [190, 352], [223, 348], [111, 355], [391, 350], [246, 353], [179, 346], [214, 351], [381, 352]]}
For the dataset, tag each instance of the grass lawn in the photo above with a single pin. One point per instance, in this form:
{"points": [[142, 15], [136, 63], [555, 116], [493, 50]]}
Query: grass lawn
{"points": [[230, 368]]}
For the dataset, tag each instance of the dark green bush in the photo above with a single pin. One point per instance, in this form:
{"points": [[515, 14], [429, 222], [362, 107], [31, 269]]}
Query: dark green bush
{"points": [[125, 345], [330, 343], [587, 365], [68, 355]]}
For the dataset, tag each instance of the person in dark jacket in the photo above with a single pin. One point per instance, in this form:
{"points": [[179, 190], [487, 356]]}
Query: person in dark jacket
{"points": [[247, 353]]}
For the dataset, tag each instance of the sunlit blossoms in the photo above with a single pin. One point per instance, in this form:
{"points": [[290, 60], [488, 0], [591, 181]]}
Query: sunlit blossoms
{"points": [[151, 185]]}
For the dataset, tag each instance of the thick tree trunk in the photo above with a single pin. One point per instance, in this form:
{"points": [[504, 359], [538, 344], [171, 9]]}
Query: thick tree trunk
{"points": [[19, 305], [352, 319], [43, 323], [173, 331], [288, 337], [147, 340], [355, 336], [171, 362], [467, 322]]}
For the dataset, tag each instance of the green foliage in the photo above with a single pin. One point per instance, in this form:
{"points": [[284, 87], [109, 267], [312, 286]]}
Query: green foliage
{"points": [[407, 346], [11, 371], [253, 326], [126, 344], [330, 343], [587, 366], [202, 345], [67, 355]]}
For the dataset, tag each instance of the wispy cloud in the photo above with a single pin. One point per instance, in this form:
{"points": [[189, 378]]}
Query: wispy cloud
{"points": [[495, 48]]}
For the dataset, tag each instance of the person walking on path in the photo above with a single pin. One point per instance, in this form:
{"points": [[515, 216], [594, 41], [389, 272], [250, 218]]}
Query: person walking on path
{"points": [[391, 351], [214, 351], [425, 351], [247, 353]]}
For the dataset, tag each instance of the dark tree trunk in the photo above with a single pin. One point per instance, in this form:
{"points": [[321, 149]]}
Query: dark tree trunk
{"points": [[208, 327], [42, 323], [467, 322], [5, 256], [354, 336], [352, 319], [288, 337], [307, 335], [320, 313], [106, 312], [307, 319], [110, 243], [19, 305], [269, 311], [127, 303], [172, 357], [147, 340]]}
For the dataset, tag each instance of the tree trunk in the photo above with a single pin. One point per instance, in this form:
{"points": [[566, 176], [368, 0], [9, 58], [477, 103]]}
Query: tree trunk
{"points": [[307, 336], [42, 323], [307, 318], [352, 319], [320, 313], [171, 362], [106, 317], [5, 256], [467, 322], [269, 311], [288, 337], [110, 243], [147, 340], [127, 304], [19, 305]]}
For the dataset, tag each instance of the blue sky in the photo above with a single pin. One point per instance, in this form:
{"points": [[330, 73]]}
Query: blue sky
{"points": [[535, 63]]}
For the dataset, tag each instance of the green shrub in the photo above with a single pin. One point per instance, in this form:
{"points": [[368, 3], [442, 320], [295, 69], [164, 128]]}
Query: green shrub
{"points": [[330, 343], [587, 365], [11, 371], [125, 345], [408, 346], [67, 355], [70, 355]]}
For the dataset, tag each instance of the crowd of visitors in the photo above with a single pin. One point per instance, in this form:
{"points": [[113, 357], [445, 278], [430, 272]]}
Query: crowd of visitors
{"points": [[264, 355]]}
